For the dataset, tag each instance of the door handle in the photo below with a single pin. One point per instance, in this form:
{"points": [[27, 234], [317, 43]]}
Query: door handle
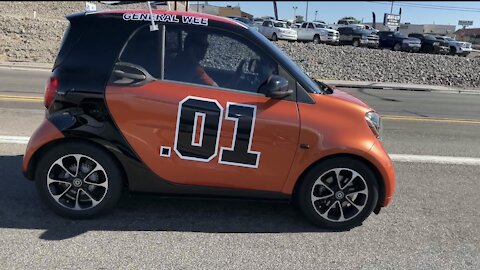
{"points": [[132, 76]]}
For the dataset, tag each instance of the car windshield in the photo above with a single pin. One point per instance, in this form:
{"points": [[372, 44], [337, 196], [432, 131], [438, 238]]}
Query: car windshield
{"points": [[280, 24], [400, 35], [449, 39], [429, 37], [319, 25]]}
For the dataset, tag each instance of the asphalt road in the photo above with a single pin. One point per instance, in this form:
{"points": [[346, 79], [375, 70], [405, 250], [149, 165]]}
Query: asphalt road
{"points": [[433, 221]]}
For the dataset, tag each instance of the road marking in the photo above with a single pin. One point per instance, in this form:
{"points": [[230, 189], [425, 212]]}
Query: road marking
{"points": [[395, 157], [21, 98], [14, 139], [430, 119], [436, 159]]}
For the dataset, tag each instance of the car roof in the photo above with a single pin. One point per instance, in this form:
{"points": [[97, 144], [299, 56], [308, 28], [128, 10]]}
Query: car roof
{"points": [[170, 12]]}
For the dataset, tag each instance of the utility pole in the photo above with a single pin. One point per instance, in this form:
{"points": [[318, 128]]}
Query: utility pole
{"points": [[391, 8], [295, 13], [306, 13], [316, 11], [275, 9]]}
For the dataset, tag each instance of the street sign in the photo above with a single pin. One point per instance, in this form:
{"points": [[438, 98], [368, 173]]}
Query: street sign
{"points": [[391, 20], [465, 23]]}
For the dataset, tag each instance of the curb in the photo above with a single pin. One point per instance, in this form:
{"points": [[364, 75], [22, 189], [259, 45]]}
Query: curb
{"points": [[400, 86]]}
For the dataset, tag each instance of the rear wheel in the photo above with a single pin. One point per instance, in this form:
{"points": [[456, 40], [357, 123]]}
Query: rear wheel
{"points": [[453, 50], [316, 39], [274, 37], [356, 43], [78, 180], [397, 47], [338, 194]]}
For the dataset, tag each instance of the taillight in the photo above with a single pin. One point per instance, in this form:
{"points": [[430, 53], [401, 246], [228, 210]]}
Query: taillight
{"points": [[50, 91]]}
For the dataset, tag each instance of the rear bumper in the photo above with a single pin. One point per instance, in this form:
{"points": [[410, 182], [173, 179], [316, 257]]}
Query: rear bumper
{"points": [[45, 133]]}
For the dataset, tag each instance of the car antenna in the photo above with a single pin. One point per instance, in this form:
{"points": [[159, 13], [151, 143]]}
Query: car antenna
{"points": [[153, 27]]}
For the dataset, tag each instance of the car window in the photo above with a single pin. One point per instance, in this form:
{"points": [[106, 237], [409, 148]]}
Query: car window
{"points": [[216, 58], [265, 23], [143, 50], [310, 25], [304, 25]]}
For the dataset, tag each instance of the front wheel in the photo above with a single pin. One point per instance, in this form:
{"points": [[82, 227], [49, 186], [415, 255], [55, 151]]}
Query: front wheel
{"points": [[338, 194], [397, 47], [78, 180], [316, 39]]}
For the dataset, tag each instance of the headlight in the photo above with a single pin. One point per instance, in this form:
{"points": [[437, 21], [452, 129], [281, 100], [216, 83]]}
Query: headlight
{"points": [[436, 43], [283, 31], [375, 123]]}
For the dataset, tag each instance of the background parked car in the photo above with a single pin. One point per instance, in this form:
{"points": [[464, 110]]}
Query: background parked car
{"points": [[318, 33], [246, 21], [457, 47], [432, 45], [398, 41], [275, 30], [357, 37]]}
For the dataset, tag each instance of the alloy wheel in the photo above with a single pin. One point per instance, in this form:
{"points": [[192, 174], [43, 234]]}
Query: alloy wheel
{"points": [[339, 194], [77, 182]]}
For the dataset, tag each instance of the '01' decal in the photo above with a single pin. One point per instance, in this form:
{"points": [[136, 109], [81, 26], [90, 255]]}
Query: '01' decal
{"points": [[207, 113]]}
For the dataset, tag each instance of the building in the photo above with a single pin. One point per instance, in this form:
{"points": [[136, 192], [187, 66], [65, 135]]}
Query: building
{"points": [[434, 29], [408, 28], [471, 35], [233, 11]]}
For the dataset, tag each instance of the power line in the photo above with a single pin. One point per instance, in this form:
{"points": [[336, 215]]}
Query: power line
{"points": [[428, 6]]}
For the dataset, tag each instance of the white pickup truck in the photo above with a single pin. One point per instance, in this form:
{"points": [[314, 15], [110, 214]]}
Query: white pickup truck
{"points": [[275, 30], [318, 33]]}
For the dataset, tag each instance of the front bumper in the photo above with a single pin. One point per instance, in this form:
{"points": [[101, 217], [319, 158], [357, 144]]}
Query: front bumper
{"points": [[287, 36], [464, 51], [384, 165], [411, 47]]}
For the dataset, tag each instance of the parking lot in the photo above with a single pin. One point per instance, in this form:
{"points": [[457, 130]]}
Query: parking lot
{"points": [[432, 222]]}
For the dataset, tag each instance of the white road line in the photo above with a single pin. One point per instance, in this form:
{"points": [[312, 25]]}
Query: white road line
{"points": [[436, 159], [394, 157], [14, 139]]}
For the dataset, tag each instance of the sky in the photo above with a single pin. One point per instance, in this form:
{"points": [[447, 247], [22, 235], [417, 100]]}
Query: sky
{"points": [[330, 12]]}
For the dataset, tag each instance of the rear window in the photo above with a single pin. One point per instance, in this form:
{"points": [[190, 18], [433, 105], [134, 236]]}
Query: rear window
{"points": [[71, 36]]}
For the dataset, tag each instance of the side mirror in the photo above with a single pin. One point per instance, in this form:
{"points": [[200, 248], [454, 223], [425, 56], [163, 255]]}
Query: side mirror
{"points": [[276, 87]]}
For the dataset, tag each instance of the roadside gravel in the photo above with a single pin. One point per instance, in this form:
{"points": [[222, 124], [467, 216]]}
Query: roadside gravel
{"points": [[26, 39]]}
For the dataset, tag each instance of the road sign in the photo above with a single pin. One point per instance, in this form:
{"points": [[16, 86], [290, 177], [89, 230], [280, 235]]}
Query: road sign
{"points": [[465, 23], [391, 20]]}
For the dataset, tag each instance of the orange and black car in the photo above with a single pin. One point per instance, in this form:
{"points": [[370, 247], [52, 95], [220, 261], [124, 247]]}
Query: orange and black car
{"points": [[185, 103]]}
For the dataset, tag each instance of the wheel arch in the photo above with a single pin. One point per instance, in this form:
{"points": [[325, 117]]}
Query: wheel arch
{"points": [[110, 149], [370, 165]]}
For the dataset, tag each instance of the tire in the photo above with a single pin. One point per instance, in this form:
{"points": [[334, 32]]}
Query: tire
{"points": [[356, 43], [328, 212], [274, 37], [316, 39], [453, 50], [66, 194], [397, 47]]}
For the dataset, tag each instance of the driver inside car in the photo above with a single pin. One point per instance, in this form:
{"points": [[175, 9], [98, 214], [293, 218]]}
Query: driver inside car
{"points": [[195, 49]]}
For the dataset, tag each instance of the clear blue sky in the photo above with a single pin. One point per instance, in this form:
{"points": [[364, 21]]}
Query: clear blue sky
{"points": [[332, 11]]}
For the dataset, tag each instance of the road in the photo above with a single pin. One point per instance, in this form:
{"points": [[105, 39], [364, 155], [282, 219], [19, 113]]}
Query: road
{"points": [[432, 223]]}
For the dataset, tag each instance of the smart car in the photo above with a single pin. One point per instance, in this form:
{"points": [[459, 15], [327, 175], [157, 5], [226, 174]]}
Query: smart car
{"points": [[180, 103]]}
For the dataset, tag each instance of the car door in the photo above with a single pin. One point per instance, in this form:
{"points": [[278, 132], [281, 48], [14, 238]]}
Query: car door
{"points": [[310, 31], [189, 132], [302, 32]]}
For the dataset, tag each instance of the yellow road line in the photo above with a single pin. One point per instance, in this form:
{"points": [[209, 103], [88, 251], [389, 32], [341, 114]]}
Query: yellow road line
{"points": [[430, 119], [21, 98]]}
